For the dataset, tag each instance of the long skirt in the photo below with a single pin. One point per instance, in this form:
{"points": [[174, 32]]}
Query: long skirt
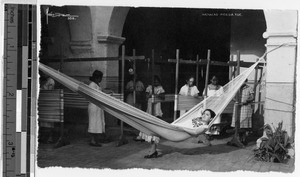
{"points": [[96, 119]]}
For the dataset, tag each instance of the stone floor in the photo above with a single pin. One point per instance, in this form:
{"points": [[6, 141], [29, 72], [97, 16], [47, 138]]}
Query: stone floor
{"points": [[186, 155]]}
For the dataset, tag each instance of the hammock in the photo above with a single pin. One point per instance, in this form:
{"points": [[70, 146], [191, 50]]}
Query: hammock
{"points": [[179, 130]]}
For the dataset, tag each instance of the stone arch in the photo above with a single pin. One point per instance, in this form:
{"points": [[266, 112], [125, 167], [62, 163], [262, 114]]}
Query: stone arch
{"points": [[117, 20]]}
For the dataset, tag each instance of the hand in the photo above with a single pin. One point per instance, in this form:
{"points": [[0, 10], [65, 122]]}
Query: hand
{"points": [[107, 91], [205, 126], [244, 103], [161, 96]]}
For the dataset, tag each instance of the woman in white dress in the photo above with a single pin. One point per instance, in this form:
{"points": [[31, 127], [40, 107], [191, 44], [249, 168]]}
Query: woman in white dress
{"points": [[189, 89], [213, 87], [96, 114]]}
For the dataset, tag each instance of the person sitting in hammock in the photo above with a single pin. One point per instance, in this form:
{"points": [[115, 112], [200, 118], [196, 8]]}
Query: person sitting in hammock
{"points": [[203, 121], [156, 111]]}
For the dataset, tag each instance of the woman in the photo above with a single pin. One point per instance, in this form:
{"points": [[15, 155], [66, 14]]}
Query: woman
{"points": [[138, 88], [160, 92], [205, 119], [247, 96], [47, 83], [189, 89], [207, 116], [96, 115], [213, 87]]}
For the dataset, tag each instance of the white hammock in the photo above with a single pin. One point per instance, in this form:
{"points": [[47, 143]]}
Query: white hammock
{"points": [[179, 130]]}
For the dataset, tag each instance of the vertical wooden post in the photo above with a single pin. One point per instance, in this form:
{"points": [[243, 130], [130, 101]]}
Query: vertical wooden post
{"points": [[61, 63], [134, 78], [259, 94], [238, 100], [122, 139], [236, 139], [230, 68], [123, 82], [207, 73], [152, 80], [63, 140], [197, 72], [255, 84], [176, 85], [62, 113], [148, 71]]}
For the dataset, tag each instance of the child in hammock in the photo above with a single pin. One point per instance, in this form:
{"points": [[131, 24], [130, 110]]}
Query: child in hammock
{"points": [[207, 116]]}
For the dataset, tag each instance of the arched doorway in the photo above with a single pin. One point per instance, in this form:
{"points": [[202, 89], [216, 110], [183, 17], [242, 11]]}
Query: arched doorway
{"points": [[193, 31]]}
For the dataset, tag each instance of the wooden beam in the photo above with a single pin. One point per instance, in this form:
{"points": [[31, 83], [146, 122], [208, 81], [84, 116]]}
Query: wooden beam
{"points": [[243, 64], [235, 141], [148, 70], [255, 81], [95, 59], [207, 73], [197, 72], [230, 69], [259, 93], [122, 139], [176, 85], [238, 98], [152, 80], [134, 78], [123, 84], [200, 62], [215, 63]]}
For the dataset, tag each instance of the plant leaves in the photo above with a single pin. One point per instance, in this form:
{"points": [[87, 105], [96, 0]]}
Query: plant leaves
{"points": [[286, 139], [273, 148]]}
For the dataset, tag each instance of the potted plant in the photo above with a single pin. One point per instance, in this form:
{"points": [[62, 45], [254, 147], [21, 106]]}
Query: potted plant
{"points": [[273, 146]]}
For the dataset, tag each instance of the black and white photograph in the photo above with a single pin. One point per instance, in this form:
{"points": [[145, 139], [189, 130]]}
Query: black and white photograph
{"points": [[167, 88]]}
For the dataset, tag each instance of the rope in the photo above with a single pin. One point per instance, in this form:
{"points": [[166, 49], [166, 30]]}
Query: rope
{"points": [[279, 110], [279, 101]]}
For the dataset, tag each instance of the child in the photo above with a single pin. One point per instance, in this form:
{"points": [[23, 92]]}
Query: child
{"points": [[207, 116]]}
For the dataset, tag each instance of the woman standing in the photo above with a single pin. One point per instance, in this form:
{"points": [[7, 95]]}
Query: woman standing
{"points": [[138, 87], [47, 83], [245, 113], [96, 114]]}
